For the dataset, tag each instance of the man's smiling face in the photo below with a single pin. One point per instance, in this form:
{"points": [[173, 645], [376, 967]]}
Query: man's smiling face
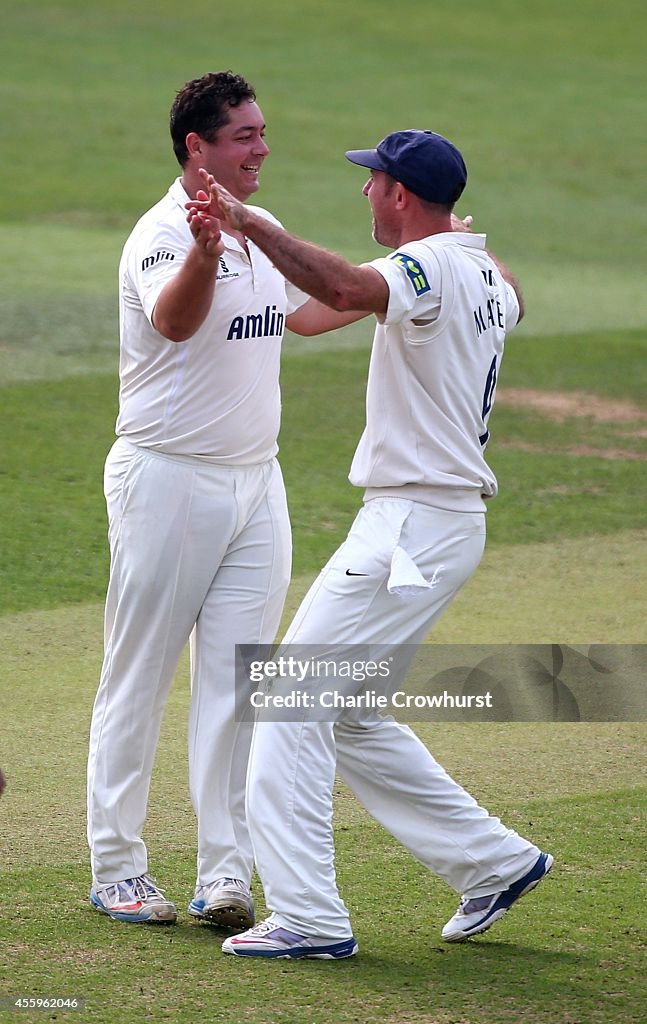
{"points": [[236, 156]]}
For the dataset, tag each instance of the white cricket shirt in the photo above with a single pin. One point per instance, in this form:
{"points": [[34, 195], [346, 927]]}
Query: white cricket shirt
{"points": [[215, 396], [433, 372]]}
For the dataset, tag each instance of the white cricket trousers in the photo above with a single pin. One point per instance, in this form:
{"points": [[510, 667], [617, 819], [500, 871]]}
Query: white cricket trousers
{"points": [[201, 552], [292, 763]]}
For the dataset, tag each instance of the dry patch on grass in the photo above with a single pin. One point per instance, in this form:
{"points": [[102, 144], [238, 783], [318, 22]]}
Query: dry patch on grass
{"points": [[563, 405], [500, 1015], [582, 450], [559, 406], [423, 1018], [73, 955]]}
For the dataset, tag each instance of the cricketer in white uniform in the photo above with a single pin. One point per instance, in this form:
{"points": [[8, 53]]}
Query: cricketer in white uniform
{"points": [[443, 305], [198, 523]]}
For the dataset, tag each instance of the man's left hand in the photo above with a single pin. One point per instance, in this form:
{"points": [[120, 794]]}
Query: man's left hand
{"points": [[218, 203], [462, 225]]}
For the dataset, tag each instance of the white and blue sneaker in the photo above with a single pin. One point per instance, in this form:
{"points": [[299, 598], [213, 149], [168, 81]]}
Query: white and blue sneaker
{"points": [[225, 903], [269, 941], [477, 915], [138, 900]]}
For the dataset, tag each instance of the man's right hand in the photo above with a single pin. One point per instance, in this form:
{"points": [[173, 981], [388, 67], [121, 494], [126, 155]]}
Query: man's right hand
{"points": [[218, 204], [205, 228]]}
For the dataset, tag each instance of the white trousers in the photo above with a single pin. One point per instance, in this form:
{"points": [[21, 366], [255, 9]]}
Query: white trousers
{"points": [[198, 552], [292, 763]]}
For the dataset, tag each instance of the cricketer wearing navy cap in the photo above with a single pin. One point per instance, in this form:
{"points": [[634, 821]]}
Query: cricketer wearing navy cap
{"points": [[442, 306], [426, 164]]}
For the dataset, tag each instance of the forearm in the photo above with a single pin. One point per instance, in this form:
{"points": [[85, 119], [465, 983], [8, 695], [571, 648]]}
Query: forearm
{"points": [[317, 318], [509, 277], [185, 301], [326, 276]]}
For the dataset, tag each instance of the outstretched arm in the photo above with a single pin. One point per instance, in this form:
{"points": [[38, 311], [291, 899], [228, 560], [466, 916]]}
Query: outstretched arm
{"points": [[326, 276]]}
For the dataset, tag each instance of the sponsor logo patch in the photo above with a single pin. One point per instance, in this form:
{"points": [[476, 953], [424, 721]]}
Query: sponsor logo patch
{"points": [[224, 273], [414, 271], [268, 324], [161, 256]]}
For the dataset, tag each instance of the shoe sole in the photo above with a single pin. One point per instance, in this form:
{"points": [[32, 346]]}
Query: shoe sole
{"points": [[300, 953], [153, 916], [496, 915], [228, 915]]}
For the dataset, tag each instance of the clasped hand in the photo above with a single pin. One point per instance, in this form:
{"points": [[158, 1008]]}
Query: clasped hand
{"points": [[212, 205]]}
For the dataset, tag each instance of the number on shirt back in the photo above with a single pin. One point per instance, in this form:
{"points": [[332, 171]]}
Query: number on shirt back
{"points": [[488, 398]]}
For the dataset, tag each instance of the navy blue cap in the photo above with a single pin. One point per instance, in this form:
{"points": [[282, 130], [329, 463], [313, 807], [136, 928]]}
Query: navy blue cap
{"points": [[426, 163]]}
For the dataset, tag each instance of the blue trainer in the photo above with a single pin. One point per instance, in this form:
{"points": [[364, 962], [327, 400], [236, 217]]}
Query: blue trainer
{"points": [[477, 915], [269, 941]]}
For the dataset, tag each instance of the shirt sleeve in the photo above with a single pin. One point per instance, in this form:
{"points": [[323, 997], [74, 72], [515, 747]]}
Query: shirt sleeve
{"points": [[154, 260], [414, 280], [296, 298]]}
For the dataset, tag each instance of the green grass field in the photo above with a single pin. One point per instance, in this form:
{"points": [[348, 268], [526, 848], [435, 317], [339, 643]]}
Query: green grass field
{"points": [[545, 101]]}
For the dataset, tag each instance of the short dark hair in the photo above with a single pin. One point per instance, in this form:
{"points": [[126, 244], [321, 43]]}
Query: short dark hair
{"points": [[202, 106], [438, 207]]}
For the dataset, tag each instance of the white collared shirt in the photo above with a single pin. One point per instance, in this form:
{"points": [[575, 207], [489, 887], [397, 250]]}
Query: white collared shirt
{"points": [[433, 372], [216, 395]]}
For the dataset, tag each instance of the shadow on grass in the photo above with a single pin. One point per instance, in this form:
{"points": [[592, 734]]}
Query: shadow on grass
{"points": [[57, 943], [481, 982]]}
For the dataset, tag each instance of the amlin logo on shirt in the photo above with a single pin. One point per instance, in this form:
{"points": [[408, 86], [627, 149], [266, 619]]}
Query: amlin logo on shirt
{"points": [[268, 324], [161, 256]]}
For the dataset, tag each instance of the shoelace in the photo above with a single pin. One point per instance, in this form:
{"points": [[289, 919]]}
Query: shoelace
{"points": [[142, 888], [146, 885], [226, 883], [263, 928], [235, 883]]}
